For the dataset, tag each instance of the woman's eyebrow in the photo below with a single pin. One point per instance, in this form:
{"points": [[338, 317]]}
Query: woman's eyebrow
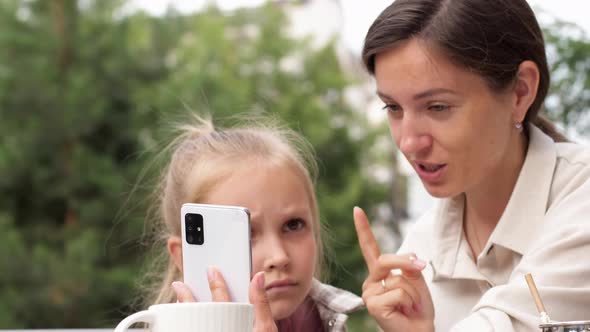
{"points": [[421, 95], [383, 95], [432, 92]]}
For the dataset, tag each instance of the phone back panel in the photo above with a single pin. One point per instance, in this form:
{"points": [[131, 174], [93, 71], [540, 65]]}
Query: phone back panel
{"points": [[226, 245]]}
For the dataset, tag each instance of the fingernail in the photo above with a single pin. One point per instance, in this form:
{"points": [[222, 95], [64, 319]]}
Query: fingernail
{"points": [[176, 286], [261, 281], [418, 262], [211, 273], [417, 307]]}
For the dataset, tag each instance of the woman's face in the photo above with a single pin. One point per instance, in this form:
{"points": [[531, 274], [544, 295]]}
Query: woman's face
{"points": [[453, 129], [283, 242]]}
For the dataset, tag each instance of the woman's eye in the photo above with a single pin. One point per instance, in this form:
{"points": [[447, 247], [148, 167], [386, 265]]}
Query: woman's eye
{"points": [[294, 225], [391, 107], [438, 107]]}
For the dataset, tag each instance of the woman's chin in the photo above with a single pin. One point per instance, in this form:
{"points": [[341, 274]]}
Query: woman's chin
{"points": [[440, 191]]}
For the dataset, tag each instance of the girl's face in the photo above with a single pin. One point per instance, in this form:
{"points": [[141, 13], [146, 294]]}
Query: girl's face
{"points": [[453, 129], [283, 243]]}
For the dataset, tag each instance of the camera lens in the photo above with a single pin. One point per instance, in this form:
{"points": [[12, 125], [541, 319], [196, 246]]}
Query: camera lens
{"points": [[194, 228]]}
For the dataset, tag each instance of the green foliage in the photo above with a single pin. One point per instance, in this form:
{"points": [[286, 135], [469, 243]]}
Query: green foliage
{"points": [[250, 65], [569, 59], [84, 91], [69, 135]]}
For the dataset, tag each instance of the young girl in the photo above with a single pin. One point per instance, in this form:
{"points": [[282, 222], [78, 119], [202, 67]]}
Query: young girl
{"points": [[269, 170]]}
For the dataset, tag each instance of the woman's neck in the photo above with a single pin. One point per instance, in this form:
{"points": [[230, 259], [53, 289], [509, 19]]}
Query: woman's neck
{"points": [[485, 204]]}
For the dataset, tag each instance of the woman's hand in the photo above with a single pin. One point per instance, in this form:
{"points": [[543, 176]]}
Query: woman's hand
{"points": [[398, 302], [263, 321]]}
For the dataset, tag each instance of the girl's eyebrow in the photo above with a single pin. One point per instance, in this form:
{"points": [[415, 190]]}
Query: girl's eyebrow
{"points": [[421, 95]]}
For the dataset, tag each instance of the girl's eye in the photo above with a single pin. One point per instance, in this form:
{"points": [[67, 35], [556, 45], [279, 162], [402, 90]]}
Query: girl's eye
{"points": [[438, 107], [293, 225], [391, 107]]}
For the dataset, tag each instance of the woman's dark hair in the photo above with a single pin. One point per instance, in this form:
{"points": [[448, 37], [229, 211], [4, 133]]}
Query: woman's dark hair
{"points": [[490, 37]]}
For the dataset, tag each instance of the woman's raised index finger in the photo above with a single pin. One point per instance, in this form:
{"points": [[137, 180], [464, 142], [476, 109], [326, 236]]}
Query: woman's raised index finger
{"points": [[367, 242]]}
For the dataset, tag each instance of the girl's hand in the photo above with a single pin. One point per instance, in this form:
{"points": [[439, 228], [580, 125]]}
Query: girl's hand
{"points": [[263, 321], [399, 302], [219, 292]]}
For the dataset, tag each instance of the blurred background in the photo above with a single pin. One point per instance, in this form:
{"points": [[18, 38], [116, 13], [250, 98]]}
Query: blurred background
{"points": [[88, 89]]}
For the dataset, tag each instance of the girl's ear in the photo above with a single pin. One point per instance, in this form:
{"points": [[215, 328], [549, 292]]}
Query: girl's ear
{"points": [[175, 250], [525, 89]]}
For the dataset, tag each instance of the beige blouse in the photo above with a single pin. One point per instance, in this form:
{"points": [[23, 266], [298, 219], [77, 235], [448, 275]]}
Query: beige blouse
{"points": [[544, 230]]}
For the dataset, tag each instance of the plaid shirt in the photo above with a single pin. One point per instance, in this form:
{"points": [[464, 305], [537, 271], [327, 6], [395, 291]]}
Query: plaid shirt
{"points": [[334, 305]]}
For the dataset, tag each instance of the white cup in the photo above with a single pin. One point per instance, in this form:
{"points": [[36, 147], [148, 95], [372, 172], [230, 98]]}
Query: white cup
{"points": [[194, 317]]}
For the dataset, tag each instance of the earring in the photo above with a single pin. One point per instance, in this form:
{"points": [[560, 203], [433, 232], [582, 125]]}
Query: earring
{"points": [[518, 125]]}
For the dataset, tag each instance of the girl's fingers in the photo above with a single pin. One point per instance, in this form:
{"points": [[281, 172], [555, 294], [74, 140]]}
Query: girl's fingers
{"points": [[263, 321], [219, 291], [183, 293], [367, 242]]}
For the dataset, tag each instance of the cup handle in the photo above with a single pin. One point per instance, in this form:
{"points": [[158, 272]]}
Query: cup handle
{"points": [[144, 316]]}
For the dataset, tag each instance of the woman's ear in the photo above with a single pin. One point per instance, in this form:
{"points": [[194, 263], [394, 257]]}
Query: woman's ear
{"points": [[175, 250], [525, 89]]}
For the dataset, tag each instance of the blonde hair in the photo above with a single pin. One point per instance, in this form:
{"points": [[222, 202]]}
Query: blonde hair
{"points": [[202, 156]]}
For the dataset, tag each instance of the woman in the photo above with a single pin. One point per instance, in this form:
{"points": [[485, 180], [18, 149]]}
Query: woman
{"points": [[462, 82]]}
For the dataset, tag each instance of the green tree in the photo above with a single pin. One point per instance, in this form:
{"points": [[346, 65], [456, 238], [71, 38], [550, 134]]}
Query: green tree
{"points": [[246, 62], [84, 90], [569, 59], [69, 134]]}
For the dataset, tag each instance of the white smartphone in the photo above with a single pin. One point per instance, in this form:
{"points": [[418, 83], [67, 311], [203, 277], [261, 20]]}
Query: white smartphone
{"points": [[216, 235]]}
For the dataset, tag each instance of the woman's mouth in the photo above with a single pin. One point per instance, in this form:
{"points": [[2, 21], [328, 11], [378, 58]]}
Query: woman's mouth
{"points": [[430, 172], [430, 168]]}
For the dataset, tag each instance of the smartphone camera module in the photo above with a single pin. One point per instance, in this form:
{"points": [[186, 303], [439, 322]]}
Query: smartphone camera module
{"points": [[194, 228]]}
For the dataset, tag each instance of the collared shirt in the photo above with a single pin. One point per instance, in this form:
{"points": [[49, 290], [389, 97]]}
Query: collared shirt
{"points": [[334, 305], [544, 230]]}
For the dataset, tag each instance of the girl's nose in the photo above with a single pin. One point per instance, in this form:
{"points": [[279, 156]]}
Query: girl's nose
{"points": [[276, 255]]}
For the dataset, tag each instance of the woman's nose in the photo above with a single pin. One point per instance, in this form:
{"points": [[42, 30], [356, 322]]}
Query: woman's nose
{"points": [[412, 145], [413, 139]]}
